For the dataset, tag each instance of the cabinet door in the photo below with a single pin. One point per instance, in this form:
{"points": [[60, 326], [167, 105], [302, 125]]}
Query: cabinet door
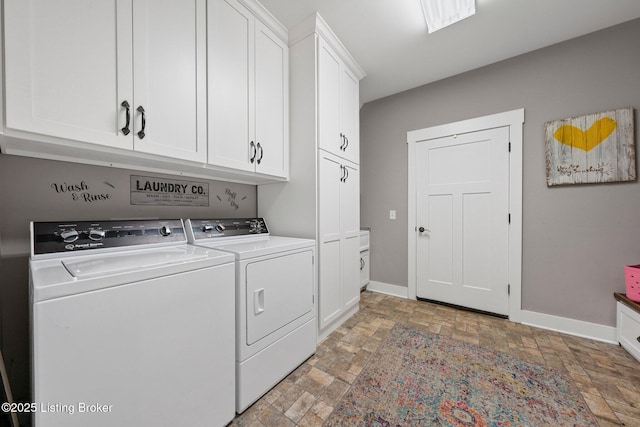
{"points": [[329, 133], [350, 115], [68, 68], [330, 302], [350, 235], [271, 102], [230, 41], [170, 78], [350, 202]]}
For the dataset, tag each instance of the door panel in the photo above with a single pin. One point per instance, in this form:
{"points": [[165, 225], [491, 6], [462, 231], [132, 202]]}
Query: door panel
{"points": [[329, 289], [476, 240], [279, 290], [350, 201], [329, 187], [350, 110], [464, 162], [230, 37], [328, 100], [439, 246], [170, 91], [271, 73], [462, 201], [350, 271], [68, 67]]}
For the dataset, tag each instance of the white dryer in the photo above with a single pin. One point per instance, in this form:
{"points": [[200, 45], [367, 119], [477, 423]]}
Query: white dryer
{"points": [[276, 314], [131, 326]]}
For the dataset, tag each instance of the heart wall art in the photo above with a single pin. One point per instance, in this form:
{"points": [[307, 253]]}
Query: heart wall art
{"points": [[590, 149]]}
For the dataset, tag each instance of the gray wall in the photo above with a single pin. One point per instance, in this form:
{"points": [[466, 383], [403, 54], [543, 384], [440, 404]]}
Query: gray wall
{"points": [[576, 239], [28, 193]]}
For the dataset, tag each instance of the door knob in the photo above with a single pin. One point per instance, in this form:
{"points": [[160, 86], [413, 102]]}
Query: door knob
{"points": [[422, 229]]}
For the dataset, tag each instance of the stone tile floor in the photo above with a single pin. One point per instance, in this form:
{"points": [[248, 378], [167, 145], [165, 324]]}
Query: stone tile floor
{"points": [[607, 376]]}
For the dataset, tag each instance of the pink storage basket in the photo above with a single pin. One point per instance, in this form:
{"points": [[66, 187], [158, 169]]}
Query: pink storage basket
{"points": [[632, 279]]}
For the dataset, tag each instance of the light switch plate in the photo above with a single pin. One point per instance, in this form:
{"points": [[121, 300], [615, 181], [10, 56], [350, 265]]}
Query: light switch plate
{"points": [[392, 214]]}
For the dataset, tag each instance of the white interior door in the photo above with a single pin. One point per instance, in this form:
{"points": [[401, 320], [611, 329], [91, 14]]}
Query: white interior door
{"points": [[462, 203]]}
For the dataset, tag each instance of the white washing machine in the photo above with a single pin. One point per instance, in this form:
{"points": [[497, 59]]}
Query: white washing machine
{"points": [[276, 314], [131, 326]]}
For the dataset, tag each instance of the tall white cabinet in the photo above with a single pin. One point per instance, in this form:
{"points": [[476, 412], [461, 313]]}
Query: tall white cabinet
{"points": [[97, 72], [322, 199]]}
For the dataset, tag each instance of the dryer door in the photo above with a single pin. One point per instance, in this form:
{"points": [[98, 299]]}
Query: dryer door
{"points": [[279, 291]]}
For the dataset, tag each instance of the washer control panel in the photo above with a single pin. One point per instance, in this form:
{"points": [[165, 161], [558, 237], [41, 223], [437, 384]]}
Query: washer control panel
{"points": [[52, 237], [215, 228]]}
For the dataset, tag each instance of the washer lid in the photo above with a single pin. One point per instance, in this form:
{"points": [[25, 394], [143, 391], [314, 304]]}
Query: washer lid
{"points": [[70, 275], [100, 266]]}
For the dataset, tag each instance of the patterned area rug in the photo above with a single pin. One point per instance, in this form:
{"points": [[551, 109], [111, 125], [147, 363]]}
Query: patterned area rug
{"points": [[417, 379]]}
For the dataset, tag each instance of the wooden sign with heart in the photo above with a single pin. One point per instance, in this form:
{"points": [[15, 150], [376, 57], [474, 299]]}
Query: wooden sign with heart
{"points": [[590, 149], [586, 139]]}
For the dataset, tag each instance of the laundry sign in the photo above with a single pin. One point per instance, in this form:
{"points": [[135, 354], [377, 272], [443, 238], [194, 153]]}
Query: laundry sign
{"points": [[146, 190]]}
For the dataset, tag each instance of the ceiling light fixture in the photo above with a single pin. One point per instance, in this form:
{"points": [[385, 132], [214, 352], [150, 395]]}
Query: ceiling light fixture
{"points": [[441, 13]]}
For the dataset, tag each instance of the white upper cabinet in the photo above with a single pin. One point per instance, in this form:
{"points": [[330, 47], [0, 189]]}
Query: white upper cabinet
{"points": [[271, 102], [338, 99], [169, 69], [68, 66], [229, 63], [119, 73], [248, 90]]}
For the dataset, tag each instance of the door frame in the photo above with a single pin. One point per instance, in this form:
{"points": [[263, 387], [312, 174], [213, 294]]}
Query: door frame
{"points": [[513, 119]]}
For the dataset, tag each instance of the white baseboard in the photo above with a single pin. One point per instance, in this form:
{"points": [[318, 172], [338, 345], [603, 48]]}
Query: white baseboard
{"points": [[335, 324], [388, 289], [564, 325]]}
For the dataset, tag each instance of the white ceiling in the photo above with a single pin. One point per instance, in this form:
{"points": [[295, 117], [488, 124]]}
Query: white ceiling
{"points": [[389, 39]]}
